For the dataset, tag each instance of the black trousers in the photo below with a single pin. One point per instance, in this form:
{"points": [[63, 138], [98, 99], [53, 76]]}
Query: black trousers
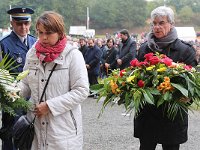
{"points": [[93, 79], [6, 130], [150, 145]]}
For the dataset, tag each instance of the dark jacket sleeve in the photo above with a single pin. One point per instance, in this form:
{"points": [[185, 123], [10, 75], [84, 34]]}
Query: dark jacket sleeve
{"points": [[131, 52], [96, 58]]}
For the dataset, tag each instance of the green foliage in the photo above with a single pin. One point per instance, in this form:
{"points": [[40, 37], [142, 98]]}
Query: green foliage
{"points": [[9, 99], [186, 14], [7, 104]]}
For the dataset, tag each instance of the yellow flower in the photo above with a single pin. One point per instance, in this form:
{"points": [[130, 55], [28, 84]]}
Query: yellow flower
{"points": [[162, 69], [150, 68], [22, 75], [114, 86], [159, 88], [131, 78], [166, 79], [13, 96], [118, 90], [165, 86]]}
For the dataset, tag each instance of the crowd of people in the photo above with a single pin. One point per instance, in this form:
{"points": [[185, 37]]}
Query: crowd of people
{"points": [[79, 64]]}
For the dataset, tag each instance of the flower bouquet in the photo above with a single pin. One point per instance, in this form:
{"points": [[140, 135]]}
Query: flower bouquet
{"points": [[156, 81], [9, 91]]}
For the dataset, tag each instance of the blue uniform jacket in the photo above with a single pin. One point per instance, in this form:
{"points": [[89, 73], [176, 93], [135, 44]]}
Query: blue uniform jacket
{"points": [[92, 57], [17, 50]]}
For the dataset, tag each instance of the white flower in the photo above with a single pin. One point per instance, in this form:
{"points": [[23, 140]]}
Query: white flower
{"points": [[13, 96]]}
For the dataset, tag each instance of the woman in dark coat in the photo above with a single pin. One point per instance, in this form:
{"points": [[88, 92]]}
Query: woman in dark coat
{"points": [[109, 58], [151, 127]]}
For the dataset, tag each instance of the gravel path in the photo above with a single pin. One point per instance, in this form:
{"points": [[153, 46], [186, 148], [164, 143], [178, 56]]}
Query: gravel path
{"points": [[114, 131]]}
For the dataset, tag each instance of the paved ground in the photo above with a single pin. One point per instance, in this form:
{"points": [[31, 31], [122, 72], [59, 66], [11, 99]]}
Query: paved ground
{"points": [[113, 131]]}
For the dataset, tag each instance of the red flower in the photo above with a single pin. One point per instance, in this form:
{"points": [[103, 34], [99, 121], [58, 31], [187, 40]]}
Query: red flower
{"points": [[143, 63], [140, 83], [154, 60], [188, 67], [167, 61], [134, 62], [122, 72], [148, 56]]}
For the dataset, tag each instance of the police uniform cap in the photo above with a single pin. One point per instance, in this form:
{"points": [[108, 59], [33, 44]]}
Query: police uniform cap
{"points": [[21, 13]]}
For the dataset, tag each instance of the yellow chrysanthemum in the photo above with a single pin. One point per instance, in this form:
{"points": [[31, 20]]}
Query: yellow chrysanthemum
{"points": [[150, 68], [131, 78], [162, 69]]}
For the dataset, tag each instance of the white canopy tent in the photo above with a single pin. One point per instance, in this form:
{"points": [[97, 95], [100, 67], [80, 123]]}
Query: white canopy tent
{"points": [[186, 33]]}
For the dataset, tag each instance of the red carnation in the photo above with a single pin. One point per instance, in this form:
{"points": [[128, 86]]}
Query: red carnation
{"points": [[134, 63], [122, 72], [143, 63], [140, 83], [148, 56], [188, 67], [167, 61], [154, 60]]}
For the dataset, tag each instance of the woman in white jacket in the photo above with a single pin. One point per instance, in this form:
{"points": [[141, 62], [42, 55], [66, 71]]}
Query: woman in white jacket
{"points": [[58, 124]]}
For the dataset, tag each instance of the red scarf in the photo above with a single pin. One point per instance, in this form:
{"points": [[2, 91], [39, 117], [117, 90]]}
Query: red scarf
{"points": [[50, 53]]}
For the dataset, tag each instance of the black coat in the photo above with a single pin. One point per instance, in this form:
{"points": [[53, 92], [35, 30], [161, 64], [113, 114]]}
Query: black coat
{"points": [[127, 52], [109, 57], [83, 49], [92, 57], [151, 124]]}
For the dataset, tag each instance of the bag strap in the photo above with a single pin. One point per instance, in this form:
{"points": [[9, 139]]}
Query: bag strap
{"points": [[45, 87], [43, 92]]}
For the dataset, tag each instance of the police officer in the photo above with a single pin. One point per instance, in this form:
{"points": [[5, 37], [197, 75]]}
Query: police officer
{"points": [[16, 45]]}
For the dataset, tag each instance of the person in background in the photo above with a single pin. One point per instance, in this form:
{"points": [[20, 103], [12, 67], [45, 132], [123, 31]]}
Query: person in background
{"points": [[58, 123], [16, 45], [197, 48], [127, 50], [83, 46], [103, 48], [151, 126], [92, 62], [108, 58]]}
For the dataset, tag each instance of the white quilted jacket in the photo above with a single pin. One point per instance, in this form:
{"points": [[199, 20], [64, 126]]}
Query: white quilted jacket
{"points": [[61, 129]]}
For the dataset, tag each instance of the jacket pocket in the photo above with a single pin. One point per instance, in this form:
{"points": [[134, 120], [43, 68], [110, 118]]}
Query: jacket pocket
{"points": [[74, 121]]}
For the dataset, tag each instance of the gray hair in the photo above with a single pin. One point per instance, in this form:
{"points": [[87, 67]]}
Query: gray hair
{"points": [[163, 11]]}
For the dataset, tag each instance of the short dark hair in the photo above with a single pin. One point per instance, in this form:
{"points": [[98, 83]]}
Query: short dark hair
{"points": [[111, 39], [82, 39], [124, 32]]}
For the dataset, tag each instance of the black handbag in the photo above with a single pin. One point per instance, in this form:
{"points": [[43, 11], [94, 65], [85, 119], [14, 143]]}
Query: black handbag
{"points": [[23, 129]]}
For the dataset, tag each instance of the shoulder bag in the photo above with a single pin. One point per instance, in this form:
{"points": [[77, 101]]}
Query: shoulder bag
{"points": [[23, 129]]}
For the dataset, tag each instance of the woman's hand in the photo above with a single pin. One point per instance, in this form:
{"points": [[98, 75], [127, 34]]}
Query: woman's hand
{"points": [[41, 109], [107, 65], [119, 61]]}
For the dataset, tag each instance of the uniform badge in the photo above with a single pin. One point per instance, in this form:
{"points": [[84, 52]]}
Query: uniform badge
{"points": [[19, 60]]}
